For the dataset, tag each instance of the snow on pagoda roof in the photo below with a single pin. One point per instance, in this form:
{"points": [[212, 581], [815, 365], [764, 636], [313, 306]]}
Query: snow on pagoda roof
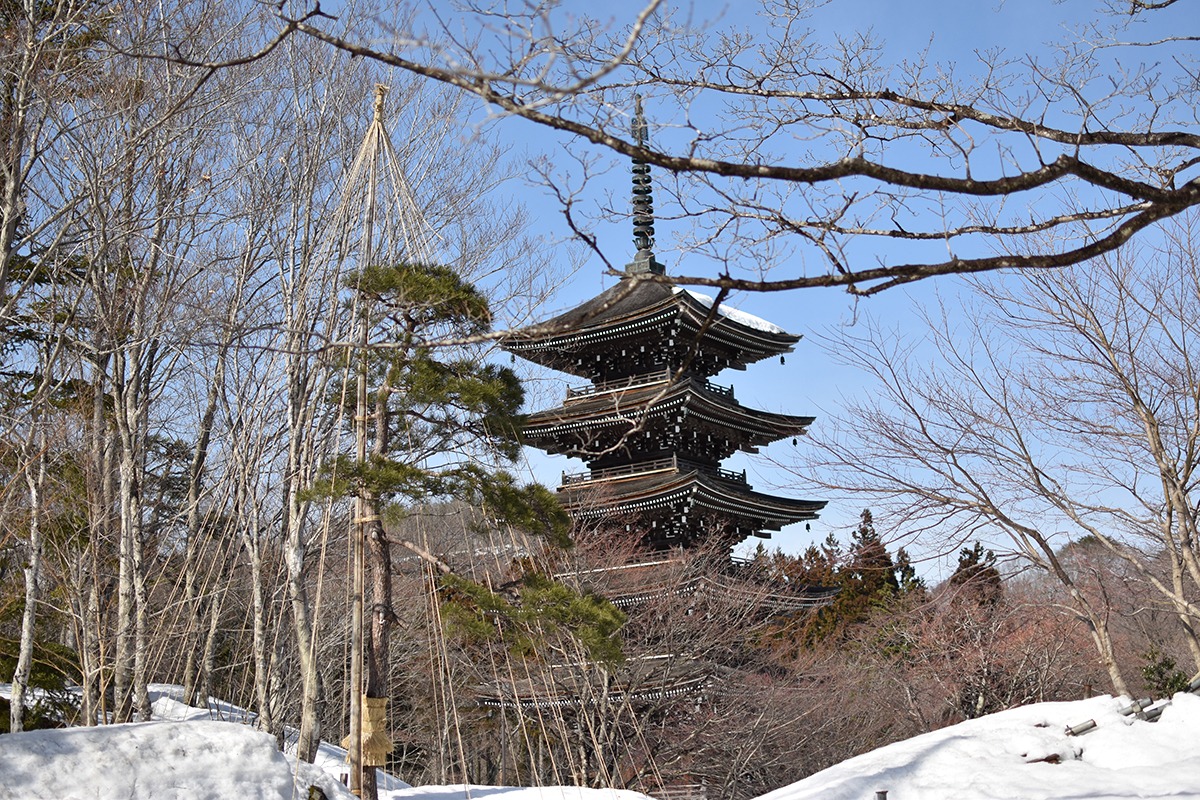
{"points": [[734, 314], [648, 314]]}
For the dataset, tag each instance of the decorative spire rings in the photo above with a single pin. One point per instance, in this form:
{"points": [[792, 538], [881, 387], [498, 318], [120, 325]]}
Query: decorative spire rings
{"points": [[643, 201]]}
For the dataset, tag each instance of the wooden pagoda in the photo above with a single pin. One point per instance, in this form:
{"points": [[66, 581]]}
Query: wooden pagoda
{"points": [[651, 427], [654, 432]]}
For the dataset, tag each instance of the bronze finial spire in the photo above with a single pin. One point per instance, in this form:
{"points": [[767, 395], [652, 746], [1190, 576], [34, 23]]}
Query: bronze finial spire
{"points": [[643, 201]]}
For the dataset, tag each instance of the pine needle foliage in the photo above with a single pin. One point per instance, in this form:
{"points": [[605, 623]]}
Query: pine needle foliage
{"points": [[543, 617], [442, 419]]}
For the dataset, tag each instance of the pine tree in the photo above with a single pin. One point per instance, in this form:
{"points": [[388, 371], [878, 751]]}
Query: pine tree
{"points": [[867, 577], [976, 577], [439, 417], [871, 570], [439, 421], [906, 575]]}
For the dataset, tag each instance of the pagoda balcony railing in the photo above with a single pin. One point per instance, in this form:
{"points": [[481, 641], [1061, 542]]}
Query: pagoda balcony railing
{"points": [[624, 471], [725, 474], [718, 389], [619, 384], [636, 381], [672, 464]]}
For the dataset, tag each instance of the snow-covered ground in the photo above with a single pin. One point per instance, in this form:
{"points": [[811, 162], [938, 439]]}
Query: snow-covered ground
{"points": [[1025, 753], [1022, 753]]}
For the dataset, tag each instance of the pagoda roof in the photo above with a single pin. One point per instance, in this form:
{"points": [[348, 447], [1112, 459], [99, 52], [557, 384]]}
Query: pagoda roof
{"points": [[640, 488], [636, 307], [602, 413], [628, 585], [639, 679]]}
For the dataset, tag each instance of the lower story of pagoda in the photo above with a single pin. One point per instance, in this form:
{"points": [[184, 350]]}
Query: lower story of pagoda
{"points": [[671, 503]]}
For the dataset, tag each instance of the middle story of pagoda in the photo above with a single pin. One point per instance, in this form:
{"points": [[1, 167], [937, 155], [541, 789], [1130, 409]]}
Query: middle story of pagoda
{"points": [[651, 427]]}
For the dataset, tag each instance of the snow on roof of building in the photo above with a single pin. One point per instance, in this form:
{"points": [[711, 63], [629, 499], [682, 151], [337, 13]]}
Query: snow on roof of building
{"points": [[734, 314]]}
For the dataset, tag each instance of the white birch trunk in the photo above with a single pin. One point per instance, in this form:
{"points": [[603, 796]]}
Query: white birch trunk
{"points": [[34, 480], [126, 488]]}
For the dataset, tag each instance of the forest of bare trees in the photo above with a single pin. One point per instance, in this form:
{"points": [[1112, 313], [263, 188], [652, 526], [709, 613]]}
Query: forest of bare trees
{"points": [[1059, 419], [213, 380], [175, 286]]}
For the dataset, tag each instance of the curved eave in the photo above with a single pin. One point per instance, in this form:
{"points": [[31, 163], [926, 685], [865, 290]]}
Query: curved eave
{"points": [[637, 494], [615, 311], [535, 348], [622, 410], [620, 313]]}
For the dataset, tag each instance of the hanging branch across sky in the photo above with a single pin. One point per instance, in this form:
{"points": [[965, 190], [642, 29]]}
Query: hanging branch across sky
{"points": [[876, 175]]}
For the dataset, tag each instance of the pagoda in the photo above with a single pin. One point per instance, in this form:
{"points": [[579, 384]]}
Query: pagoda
{"points": [[651, 427]]}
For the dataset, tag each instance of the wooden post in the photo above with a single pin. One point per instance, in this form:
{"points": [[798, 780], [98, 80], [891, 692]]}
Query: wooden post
{"points": [[362, 505]]}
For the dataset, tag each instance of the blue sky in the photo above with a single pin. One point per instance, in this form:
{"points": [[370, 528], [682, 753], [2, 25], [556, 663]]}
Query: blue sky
{"points": [[811, 382]]}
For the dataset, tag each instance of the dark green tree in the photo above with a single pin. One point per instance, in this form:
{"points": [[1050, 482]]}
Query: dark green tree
{"points": [[54, 669], [441, 420], [868, 579], [440, 423], [866, 582], [871, 570], [976, 578], [906, 574]]}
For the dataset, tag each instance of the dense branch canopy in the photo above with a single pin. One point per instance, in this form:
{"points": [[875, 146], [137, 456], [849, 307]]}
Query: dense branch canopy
{"points": [[811, 149]]}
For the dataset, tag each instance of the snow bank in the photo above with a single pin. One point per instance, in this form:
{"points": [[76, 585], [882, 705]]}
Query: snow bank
{"points": [[147, 761], [330, 762], [1025, 754]]}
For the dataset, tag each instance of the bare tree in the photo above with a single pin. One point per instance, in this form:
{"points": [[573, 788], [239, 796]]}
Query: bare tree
{"points": [[49, 53], [133, 164], [307, 282], [925, 168], [1061, 407]]}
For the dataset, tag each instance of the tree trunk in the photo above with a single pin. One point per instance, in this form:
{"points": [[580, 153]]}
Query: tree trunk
{"points": [[208, 659], [1183, 611], [95, 590], [262, 662], [131, 402], [127, 488], [379, 564], [309, 737], [34, 479], [92, 704]]}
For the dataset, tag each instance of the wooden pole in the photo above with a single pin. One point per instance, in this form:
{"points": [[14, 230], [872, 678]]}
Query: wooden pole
{"points": [[357, 567], [363, 508]]}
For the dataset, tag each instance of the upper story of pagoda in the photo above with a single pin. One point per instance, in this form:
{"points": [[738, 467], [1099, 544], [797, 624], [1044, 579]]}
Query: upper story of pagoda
{"points": [[644, 325], [651, 427], [640, 326]]}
